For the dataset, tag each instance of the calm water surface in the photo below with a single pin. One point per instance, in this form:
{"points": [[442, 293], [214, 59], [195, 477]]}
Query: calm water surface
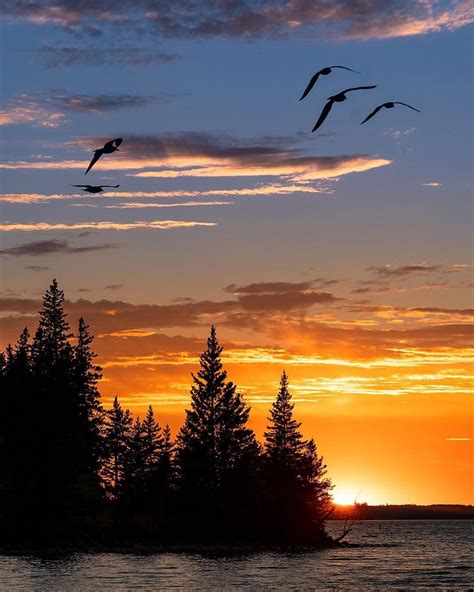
{"points": [[393, 555]]}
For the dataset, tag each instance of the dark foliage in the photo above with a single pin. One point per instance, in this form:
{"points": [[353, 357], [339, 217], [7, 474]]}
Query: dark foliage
{"points": [[71, 471]]}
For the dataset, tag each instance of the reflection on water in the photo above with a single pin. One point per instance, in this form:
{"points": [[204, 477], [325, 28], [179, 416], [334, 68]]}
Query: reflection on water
{"points": [[390, 555]]}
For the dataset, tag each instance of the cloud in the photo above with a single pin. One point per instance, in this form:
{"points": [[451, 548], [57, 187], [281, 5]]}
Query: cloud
{"points": [[49, 247], [281, 296], [397, 134], [468, 312], [432, 184], [197, 154], [26, 110], [269, 288], [67, 56], [36, 268], [137, 206], [102, 103], [114, 287], [248, 19], [406, 270], [50, 109], [151, 224], [272, 189]]}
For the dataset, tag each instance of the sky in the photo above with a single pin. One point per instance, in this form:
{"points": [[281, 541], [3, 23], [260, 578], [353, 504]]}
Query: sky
{"points": [[342, 256]]}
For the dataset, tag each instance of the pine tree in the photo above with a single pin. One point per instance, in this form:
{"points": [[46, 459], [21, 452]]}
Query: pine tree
{"points": [[86, 378], [134, 465], [316, 483], [117, 434], [52, 349], [297, 491], [152, 442], [283, 441], [166, 465], [214, 440], [16, 432]]}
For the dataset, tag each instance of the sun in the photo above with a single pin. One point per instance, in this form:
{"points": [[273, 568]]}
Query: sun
{"points": [[345, 496]]}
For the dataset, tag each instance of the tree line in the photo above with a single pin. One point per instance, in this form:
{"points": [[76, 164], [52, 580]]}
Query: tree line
{"points": [[72, 470]]}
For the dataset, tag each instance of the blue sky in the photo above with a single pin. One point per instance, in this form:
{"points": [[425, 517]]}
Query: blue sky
{"points": [[343, 256]]}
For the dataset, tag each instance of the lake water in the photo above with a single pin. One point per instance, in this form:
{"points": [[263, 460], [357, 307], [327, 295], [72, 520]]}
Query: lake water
{"points": [[392, 555]]}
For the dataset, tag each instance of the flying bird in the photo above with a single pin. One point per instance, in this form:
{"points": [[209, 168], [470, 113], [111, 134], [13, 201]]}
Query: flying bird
{"points": [[94, 188], [339, 98], [108, 148], [389, 105], [323, 72]]}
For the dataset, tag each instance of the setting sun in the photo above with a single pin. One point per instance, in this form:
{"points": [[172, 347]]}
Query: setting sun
{"points": [[345, 496]]}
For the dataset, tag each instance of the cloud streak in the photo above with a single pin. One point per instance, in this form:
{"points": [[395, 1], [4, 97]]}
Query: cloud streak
{"points": [[151, 224], [406, 270], [67, 56], [141, 206], [50, 110], [272, 189], [50, 247]]}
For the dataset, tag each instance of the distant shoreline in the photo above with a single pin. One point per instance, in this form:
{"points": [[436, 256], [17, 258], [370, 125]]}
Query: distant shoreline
{"points": [[404, 512]]}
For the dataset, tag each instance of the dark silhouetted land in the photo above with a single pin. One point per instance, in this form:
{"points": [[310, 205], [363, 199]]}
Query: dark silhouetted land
{"points": [[404, 512]]}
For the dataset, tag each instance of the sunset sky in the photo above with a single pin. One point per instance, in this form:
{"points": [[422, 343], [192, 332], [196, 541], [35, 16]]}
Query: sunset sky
{"points": [[342, 256]]}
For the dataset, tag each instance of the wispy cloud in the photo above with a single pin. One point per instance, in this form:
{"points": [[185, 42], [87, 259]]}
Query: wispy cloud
{"points": [[406, 270], [272, 189], [141, 206], [49, 247], [37, 268], [67, 56], [431, 184], [151, 224], [26, 110], [51, 109]]}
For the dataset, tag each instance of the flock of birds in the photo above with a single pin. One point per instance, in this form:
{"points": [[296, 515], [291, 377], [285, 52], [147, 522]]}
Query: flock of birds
{"points": [[341, 96], [113, 145]]}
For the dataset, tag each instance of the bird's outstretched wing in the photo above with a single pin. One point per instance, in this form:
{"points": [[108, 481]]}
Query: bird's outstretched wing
{"points": [[324, 113], [345, 68], [406, 105], [357, 88], [312, 82], [113, 143], [370, 115], [97, 155], [80, 185], [111, 186]]}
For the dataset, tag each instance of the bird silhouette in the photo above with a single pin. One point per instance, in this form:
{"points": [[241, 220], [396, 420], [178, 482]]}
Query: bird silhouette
{"points": [[323, 72], [339, 98], [94, 188], [388, 105], [109, 147]]}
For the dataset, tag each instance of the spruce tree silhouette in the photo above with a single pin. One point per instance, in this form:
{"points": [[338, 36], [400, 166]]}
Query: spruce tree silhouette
{"points": [[86, 378], [152, 443], [117, 435], [283, 440], [134, 466], [297, 488], [59, 455], [214, 438], [166, 462], [49, 389], [214, 443]]}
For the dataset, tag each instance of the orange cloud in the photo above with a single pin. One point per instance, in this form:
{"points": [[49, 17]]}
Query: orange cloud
{"points": [[260, 190], [152, 224]]}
